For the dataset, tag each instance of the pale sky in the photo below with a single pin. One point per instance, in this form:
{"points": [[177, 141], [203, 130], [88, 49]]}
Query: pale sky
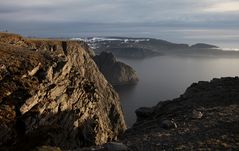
{"points": [[108, 17], [111, 11]]}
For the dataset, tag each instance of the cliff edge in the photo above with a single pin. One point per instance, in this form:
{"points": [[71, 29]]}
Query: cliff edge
{"points": [[52, 93]]}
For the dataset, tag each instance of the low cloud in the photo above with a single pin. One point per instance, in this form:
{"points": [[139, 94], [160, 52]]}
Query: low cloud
{"points": [[108, 11], [46, 15], [232, 6]]}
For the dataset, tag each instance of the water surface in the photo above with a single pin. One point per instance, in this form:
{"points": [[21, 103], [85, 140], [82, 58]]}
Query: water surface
{"points": [[166, 77]]}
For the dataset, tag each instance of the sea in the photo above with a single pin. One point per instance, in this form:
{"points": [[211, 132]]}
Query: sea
{"points": [[166, 77]]}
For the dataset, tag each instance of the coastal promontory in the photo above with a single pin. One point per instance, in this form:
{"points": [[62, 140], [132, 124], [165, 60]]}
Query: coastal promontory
{"points": [[52, 93], [116, 72]]}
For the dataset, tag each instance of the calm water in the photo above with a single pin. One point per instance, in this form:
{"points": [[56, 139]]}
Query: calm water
{"points": [[167, 77]]}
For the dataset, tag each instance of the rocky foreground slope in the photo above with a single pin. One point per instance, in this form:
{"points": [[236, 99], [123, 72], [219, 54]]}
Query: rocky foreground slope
{"points": [[205, 117], [117, 73], [52, 93]]}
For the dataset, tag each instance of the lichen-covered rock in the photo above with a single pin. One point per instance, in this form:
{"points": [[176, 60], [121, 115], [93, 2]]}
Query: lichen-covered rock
{"points": [[52, 93], [117, 73]]}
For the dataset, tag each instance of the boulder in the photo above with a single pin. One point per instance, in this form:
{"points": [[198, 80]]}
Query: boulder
{"points": [[196, 114], [168, 124]]}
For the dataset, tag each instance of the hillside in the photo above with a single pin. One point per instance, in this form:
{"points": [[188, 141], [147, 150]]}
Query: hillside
{"points": [[138, 48]]}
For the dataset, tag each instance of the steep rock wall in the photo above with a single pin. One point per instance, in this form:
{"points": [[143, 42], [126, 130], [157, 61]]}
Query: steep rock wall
{"points": [[52, 93]]}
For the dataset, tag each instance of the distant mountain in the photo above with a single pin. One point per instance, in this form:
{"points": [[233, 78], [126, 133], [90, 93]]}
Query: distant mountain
{"points": [[203, 46], [121, 46], [148, 47]]}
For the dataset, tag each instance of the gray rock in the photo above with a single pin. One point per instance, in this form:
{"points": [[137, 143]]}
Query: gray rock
{"points": [[168, 124], [196, 114]]}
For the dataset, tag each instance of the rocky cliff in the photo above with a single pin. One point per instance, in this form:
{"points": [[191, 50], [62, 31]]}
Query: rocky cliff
{"points": [[205, 117], [117, 73], [52, 93]]}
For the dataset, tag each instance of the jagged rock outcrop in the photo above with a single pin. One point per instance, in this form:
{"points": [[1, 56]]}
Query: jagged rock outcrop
{"points": [[52, 93], [205, 117], [117, 73]]}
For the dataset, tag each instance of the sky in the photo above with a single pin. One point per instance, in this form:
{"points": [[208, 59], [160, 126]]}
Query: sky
{"points": [[174, 20]]}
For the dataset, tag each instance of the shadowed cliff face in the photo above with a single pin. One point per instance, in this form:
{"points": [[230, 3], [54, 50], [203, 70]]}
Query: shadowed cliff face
{"points": [[117, 73], [52, 93]]}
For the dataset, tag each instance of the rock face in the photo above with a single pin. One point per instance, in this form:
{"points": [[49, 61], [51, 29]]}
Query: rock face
{"points": [[52, 93], [205, 117], [117, 73]]}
